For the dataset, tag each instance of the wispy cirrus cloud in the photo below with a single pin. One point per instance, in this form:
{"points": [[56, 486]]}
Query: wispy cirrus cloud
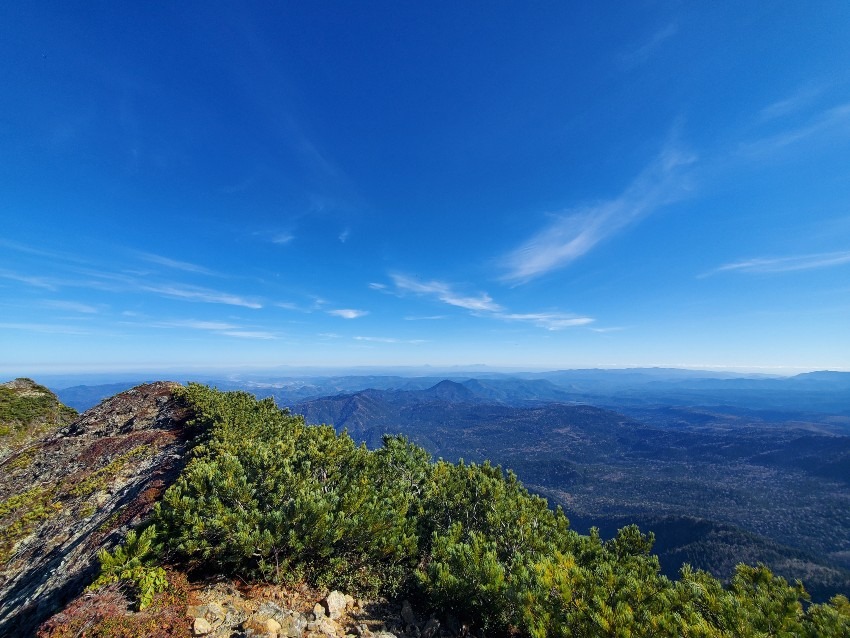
{"points": [[282, 238], [826, 125], [46, 328], [174, 263], [72, 306], [480, 305], [548, 320], [648, 48], [770, 265], [36, 282], [348, 313], [791, 104], [389, 340], [196, 325], [577, 231], [198, 294], [216, 327], [250, 334], [445, 293]]}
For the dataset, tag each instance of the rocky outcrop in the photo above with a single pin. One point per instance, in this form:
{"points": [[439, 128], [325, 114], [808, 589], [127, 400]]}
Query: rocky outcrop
{"points": [[226, 613], [28, 412], [77, 491]]}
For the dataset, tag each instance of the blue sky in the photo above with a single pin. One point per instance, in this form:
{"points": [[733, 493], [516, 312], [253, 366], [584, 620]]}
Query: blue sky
{"points": [[538, 185]]}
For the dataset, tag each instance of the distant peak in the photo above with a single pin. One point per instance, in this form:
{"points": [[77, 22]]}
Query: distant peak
{"points": [[447, 389]]}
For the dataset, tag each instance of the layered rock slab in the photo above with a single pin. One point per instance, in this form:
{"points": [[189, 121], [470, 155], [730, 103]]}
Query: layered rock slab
{"points": [[77, 491]]}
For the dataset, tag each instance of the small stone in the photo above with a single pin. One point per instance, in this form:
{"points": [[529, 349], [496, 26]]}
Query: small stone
{"points": [[262, 625], [335, 604], [318, 610], [293, 626], [272, 610], [329, 627], [201, 627]]}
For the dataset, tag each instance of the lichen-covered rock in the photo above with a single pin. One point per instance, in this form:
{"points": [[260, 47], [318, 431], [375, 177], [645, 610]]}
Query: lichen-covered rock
{"points": [[201, 627], [293, 625], [259, 625], [77, 491], [335, 604]]}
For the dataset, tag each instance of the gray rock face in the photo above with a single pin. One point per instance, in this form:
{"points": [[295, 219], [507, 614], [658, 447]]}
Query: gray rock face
{"points": [[77, 491]]}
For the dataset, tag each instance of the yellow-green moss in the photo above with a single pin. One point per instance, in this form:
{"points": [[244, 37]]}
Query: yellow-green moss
{"points": [[26, 510], [98, 479]]}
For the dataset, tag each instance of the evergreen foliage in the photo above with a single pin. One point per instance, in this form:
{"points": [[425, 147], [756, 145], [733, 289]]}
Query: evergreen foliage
{"points": [[267, 497], [130, 563]]}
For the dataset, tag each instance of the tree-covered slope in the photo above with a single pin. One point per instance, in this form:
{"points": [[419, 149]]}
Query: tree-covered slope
{"points": [[267, 497], [729, 469]]}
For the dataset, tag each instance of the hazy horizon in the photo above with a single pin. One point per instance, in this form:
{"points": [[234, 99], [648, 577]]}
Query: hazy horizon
{"points": [[251, 374]]}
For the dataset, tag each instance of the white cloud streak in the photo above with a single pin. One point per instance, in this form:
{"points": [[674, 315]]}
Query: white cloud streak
{"points": [[443, 292], [73, 306], [348, 313], [197, 325], [249, 334], [830, 123], [799, 100], [174, 264], [45, 328], [785, 264], [576, 232], [36, 282], [216, 327], [389, 340], [482, 304], [204, 295], [645, 51], [548, 320], [282, 238]]}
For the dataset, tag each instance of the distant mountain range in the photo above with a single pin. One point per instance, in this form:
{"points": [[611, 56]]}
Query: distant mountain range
{"points": [[718, 487], [824, 391], [724, 468]]}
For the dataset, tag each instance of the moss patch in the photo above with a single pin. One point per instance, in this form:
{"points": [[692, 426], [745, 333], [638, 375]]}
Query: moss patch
{"points": [[98, 479], [20, 514]]}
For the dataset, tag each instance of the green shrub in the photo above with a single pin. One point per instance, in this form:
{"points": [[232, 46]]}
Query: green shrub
{"points": [[131, 563], [267, 497]]}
